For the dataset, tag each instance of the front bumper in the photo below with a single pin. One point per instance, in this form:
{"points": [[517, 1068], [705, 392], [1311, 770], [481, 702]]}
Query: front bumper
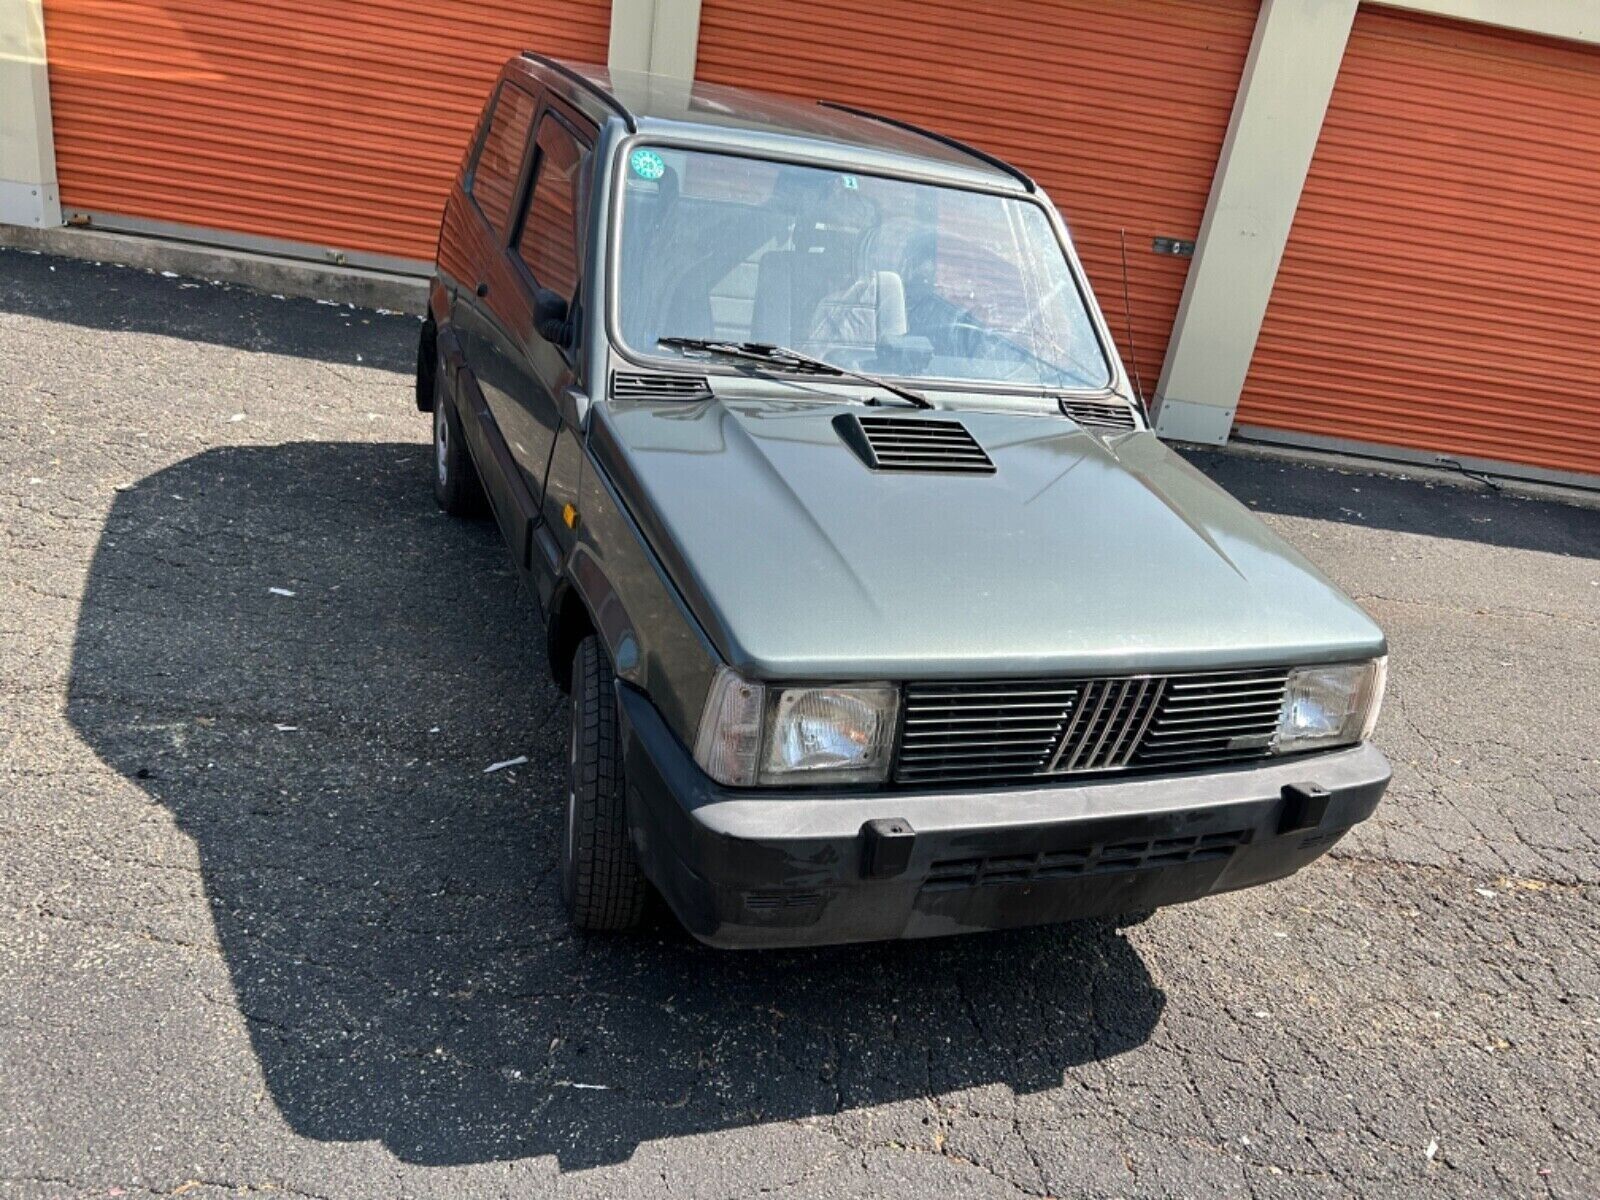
{"points": [[805, 868]]}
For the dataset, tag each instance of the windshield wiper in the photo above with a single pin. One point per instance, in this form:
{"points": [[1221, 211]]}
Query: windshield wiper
{"points": [[790, 360]]}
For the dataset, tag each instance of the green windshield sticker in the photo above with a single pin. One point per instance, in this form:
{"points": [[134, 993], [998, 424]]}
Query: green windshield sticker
{"points": [[851, 183], [647, 164]]}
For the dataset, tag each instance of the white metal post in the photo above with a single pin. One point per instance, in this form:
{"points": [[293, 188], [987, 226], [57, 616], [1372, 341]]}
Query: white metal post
{"points": [[1277, 118], [28, 194], [659, 36]]}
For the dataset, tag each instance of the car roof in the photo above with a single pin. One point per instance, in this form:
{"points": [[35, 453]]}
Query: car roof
{"points": [[739, 118]]}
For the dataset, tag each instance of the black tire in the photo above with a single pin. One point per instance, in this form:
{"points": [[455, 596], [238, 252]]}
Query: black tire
{"points": [[455, 480], [601, 883], [427, 364]]}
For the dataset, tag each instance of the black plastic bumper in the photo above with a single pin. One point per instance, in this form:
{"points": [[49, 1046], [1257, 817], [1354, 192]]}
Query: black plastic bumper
{"points": [[802, 868]]}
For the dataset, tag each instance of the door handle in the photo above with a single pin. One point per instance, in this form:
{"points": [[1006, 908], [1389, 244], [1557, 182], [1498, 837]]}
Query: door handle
{"points": [[483, 290]]}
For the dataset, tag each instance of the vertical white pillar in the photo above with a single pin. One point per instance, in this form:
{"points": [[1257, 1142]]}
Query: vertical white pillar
{"points": [[28, 194], [1277, 117], [659, 36]]}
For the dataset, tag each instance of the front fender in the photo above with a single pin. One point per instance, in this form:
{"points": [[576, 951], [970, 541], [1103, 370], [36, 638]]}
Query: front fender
{"points": [[654, 642]]}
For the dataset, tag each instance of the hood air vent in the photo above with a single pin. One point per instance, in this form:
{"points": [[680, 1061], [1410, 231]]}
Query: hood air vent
{"points": [[1100, 414], [913, 444], [659, 387]]}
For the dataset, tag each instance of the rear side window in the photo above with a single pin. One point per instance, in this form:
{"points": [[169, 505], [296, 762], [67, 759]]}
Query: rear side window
{"points": [[552, 230], [495, 174]]}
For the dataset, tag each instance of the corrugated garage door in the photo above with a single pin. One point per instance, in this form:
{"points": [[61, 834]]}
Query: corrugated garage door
{"points": [[1117, 108], [1441, 286], [339, 125]]}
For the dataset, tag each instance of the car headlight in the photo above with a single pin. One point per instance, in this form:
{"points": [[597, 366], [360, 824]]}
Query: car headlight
{"points": [[1331, 706], [751, 733]]}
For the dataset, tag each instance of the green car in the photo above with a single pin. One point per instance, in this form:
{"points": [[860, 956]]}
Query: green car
{"points": [[882, 610]]}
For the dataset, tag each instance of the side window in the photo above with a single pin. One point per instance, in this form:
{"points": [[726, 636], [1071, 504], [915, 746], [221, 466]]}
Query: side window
{"points": [[552, 227], [494, 175]]}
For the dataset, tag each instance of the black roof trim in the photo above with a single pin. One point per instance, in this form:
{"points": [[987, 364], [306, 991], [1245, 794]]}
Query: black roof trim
{"points": [[982, 155], [587, 84]]}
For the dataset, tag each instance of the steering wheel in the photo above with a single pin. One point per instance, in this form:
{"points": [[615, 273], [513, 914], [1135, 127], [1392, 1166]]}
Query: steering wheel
{"points": [[971, 340]]}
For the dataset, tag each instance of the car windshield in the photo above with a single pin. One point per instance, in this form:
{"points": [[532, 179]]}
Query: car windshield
{"points": [[871, 274]]}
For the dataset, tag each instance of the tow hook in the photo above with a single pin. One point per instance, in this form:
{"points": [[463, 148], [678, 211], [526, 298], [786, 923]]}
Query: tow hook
{"points": [[886, 847], [1304, 806]]}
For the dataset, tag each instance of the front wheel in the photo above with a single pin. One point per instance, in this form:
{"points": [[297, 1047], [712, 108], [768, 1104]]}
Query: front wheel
{"points": [[600, 879]]}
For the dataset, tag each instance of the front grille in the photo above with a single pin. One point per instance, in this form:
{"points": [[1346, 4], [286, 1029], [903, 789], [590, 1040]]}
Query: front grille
{"points": [[1214, 718], [1100, 414], [1106, 724], [1019, 730], [914, 444], [640, 386], [1093, 859]]}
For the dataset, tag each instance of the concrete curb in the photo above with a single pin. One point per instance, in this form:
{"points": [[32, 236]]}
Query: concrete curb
{"points": [[264, 272], [409, 294]]}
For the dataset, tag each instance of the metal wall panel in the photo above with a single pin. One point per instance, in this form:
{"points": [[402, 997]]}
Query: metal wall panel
{"points": [[1118, 108], [339, 125], [1438, 290]]}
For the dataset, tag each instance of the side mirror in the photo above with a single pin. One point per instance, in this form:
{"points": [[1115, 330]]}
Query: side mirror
{"points": [[550, 313]]}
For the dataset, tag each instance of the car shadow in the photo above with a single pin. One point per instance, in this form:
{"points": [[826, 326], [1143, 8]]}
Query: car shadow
{"points": [[291, 650]]}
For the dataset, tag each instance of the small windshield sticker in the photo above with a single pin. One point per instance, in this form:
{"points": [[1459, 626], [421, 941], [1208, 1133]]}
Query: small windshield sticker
{"points": [[647, 164], [851, 183]]}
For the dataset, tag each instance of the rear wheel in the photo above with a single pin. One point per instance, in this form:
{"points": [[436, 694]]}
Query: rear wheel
{"points": [[455, 479], [600, 879], [427, 363]]}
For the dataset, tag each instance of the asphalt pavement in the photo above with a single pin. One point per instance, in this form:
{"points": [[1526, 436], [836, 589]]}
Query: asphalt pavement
{"points": [[267, 926]]}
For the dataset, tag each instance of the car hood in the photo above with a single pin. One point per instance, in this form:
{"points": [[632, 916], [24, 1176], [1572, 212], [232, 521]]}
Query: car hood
{"points": [[1080, 553]]}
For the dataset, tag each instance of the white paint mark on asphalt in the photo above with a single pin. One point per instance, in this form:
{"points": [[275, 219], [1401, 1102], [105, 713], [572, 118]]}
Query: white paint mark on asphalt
{"points": [[501, 766]]}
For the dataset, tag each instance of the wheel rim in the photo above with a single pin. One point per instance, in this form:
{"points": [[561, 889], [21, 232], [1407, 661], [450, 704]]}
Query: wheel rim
{"points": [[441, 443]]}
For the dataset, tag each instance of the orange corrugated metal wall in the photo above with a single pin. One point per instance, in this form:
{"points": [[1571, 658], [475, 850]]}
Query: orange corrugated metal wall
{"points": [[338, 124], [1439, 286], [1118, 109]]}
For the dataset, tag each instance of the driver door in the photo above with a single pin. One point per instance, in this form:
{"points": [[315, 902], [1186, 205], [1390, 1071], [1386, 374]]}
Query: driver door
{"points": [[546, 251]]}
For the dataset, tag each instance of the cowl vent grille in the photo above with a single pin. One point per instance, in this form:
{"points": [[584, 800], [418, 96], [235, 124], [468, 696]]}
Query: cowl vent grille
{"points": [[913, 444], [640, 386], [1100, 414]]}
